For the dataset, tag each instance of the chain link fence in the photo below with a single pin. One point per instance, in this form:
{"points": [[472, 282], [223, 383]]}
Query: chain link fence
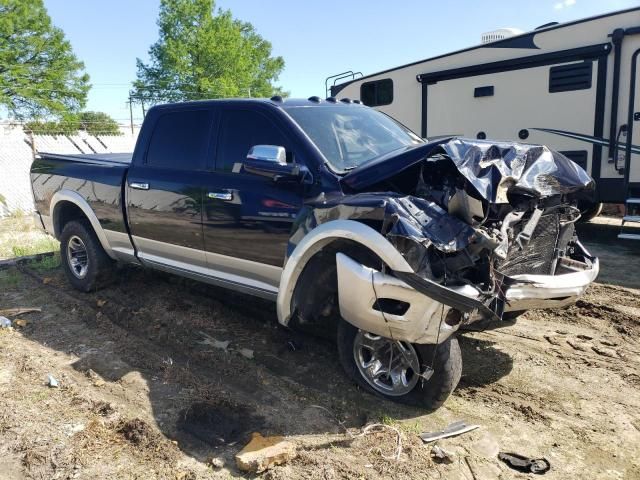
{"points": [[17, 148]]}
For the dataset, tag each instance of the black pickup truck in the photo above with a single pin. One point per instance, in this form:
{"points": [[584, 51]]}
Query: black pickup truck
{"points": [[354, 225]]}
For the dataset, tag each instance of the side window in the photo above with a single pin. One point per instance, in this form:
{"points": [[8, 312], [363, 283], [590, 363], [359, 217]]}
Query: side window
{"points": [[239, 131], [180, 140], [376, 93]]}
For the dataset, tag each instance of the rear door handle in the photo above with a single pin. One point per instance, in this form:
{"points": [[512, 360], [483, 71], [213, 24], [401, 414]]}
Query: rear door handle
{"points": [[226, 195], [139, 185]]}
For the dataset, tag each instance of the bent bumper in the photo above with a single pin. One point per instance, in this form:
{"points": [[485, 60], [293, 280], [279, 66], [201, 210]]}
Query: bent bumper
{"points": [[361, 289], [549, 291]]}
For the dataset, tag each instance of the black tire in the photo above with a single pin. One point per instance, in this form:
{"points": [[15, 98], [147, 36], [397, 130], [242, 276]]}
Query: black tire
{"points": [[589, 211], [429, 394], [99, 267]]}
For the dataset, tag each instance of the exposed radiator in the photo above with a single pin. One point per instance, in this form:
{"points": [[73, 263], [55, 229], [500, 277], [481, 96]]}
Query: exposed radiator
{"points": [[539, 255]]}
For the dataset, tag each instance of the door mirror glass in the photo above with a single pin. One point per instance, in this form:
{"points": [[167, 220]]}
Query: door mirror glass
{"points": [[270, 161]]}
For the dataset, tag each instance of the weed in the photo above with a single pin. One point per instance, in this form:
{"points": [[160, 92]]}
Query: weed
{"points": [[41, 245], [46, 263], [9, 279]]}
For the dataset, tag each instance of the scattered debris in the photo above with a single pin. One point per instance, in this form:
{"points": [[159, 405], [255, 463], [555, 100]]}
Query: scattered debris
{"points": [[293, 345], [52, 382], [261, 453], [524, 464], [167, 361], [607, 352], [246, 352], [12, 312], [452, 430], [216, 462], [440, 455], [21, 322], [398, 452], [47, 280], [101, 303], [5, 322], [209, 340]]}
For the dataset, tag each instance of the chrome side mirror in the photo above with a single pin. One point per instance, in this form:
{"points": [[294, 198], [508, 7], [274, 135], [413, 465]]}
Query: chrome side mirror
{"points": [[270, 161], [268, 153]]}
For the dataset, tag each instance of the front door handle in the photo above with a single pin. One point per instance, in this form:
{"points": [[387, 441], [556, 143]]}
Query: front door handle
{"points": [[226, 195], [139, 185]]}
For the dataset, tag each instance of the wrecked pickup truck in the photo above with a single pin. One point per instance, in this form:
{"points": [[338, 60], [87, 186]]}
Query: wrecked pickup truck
{"points": [[355, 226]]}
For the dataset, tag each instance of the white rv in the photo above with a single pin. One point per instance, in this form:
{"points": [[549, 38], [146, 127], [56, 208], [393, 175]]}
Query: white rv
{"points": [[572, 86]]}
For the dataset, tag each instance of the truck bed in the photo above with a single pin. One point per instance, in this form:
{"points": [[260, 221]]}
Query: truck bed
{"points": [[114, 158]]}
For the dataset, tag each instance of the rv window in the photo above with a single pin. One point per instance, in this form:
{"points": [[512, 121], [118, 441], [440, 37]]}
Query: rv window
{"points": [[379, 92], [576, 76]]}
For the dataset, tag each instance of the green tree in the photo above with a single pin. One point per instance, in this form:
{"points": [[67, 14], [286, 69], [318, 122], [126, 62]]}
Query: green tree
{"points": [[94, 123], [203, 54], [98, 123], [39, 74]]}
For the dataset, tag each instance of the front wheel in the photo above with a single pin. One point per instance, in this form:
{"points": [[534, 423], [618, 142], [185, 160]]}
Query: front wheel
{"points": [[394, 369]]}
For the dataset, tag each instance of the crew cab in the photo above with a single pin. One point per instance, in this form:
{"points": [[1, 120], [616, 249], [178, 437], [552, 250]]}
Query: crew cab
{"points": [[354, 225]]}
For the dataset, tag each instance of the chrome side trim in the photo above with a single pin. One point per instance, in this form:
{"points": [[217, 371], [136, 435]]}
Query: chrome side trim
{"points": [[256, 271], [321, 236], [192, 263], [217, 281], [121, 246], [76, 198]]}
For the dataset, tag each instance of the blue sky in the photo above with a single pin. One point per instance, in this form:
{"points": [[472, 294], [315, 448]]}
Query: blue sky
{"points": [[316, 38]]}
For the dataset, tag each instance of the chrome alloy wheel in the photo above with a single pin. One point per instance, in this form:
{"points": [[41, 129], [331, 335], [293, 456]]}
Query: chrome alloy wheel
{"points": [[391, 367], [77, 257]]}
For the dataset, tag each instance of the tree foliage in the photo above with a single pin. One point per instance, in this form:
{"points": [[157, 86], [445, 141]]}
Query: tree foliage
{"points": [[39, 74], [205, 54], [94, 123]]}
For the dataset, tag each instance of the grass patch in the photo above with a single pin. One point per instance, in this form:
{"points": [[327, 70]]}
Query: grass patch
{"points": [[41, 245], [46, 263], [9, 278]]}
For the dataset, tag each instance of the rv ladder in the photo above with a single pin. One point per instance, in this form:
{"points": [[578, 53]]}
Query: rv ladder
{"points": [[631, 215]]}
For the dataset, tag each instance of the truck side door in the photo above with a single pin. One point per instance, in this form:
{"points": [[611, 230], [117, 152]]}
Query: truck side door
{"points": [[247, 218], [164, 190]]}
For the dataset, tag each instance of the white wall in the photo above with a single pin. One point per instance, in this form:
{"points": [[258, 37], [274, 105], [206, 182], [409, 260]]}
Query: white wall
{"points": [[16, 157]]}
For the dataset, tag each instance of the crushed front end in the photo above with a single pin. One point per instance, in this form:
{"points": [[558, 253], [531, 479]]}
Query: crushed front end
{"points": [[486, 228]]}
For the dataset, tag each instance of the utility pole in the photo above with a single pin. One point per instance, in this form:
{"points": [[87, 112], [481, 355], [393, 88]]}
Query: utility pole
{"points": [[131, 111]]}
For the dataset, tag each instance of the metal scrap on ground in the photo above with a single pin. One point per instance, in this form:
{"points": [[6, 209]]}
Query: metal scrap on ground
{"points": [[452, 430]]}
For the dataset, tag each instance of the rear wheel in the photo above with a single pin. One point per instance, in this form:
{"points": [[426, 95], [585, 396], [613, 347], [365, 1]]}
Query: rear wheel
{"points": [[394, 369], [84, 261]]}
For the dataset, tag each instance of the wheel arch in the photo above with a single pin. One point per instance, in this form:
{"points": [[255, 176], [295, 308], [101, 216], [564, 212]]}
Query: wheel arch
{"points": [[331, 236], [67, 205]]}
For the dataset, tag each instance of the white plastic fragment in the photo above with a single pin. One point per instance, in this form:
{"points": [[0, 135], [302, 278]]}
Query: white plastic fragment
{"points": [[5, 322], [52, 382]]}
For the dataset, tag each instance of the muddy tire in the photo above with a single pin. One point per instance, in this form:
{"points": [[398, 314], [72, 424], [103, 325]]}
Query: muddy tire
{"points": [[84, 261], [446, 359]]}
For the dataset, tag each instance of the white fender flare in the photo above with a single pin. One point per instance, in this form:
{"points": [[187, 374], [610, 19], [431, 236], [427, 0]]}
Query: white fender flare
{"points": [[317, 239], [80, 202]]}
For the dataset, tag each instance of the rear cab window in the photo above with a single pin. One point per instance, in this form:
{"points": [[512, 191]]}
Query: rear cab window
{"points": [[180, 140]]}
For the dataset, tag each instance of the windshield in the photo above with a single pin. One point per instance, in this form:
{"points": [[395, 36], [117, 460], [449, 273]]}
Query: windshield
{"points": [[349, 136]]}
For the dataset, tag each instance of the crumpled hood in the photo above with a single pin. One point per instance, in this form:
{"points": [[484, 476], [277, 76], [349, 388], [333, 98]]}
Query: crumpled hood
{"points": [[492, 168]]}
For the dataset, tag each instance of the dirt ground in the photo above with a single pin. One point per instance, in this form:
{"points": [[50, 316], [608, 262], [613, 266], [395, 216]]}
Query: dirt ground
{"points": [[158, 376]]}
